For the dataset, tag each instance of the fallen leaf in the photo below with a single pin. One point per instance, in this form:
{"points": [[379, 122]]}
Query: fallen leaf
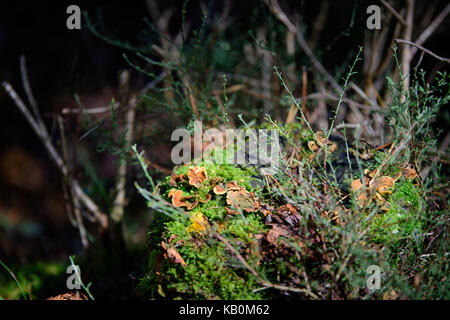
{"points": [[289, 215]]}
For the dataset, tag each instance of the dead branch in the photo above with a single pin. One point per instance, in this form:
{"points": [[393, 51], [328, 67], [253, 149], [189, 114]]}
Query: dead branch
{"points": [[279, 13], [75, 201], [394, 12], [95, 110], [430, 29], [423, 49], [406, 52], [27, 88], [37, 126], [119, 201]]}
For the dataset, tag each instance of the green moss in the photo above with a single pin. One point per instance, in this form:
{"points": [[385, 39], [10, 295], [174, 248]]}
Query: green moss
{"points": [[403, 217], [207, 275], [210, 271], [214, 209], [245, 229]]}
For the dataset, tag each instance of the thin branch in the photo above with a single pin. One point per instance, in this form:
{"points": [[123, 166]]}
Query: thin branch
{"points": [[394, 12], [75, 200], [27, 87], [430, 29], [406, 52], [119, 201], [95, 110], [54, 155], [278, 12], [423, 49]]}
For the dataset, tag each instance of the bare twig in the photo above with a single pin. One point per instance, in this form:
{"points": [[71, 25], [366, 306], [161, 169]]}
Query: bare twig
{"points": [[119, 201], [27, 87], [278, 12], [423, 49], [406, 52], [430, 29], [75, 200], [319, 24], [394, 12], [95, 110], [54, 155]]}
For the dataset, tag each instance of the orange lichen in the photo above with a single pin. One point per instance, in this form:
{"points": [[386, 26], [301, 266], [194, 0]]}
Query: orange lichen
{"points": [[174, 178], [242, 200], [219, 189], [233, 186], [378, 188], [196, 176], [178, 200], [382, 184], [358, 188]]}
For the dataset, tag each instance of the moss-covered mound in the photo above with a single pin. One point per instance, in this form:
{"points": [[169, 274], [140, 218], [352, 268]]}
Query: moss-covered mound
{"points": [[186, 259], [237, 235]]}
